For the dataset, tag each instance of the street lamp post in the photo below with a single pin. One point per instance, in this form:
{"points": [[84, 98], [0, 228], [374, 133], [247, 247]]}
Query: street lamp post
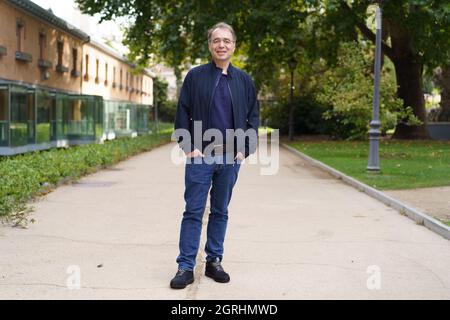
{"points": [[292, 65], [375, 124]]}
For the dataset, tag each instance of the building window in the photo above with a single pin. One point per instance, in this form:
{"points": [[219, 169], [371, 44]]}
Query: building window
{"points": [[42, 63], [60, 51], [121, 78], [75, 72], [114, 77], [106, 74], [60, 48], [42, 43], [74, 59], [86, 74], [96, 70], [20, 34], [126, 81], [131, 82]]}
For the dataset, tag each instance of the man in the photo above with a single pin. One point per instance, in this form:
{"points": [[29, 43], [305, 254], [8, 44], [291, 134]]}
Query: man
{"points": [[217, 96]]}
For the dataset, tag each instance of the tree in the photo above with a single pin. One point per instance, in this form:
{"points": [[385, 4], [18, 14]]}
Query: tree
{"points": [[418, 36], [175, 30], [348, 87]]}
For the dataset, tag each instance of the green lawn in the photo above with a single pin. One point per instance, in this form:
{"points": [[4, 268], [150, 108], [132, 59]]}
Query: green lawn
{"points": [[404, 164]]}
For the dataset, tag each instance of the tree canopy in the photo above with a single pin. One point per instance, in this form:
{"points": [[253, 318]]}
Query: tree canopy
{"points": [[415, 35]]}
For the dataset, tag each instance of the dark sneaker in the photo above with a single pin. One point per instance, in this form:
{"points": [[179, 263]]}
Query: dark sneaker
{"points": [[182, 279], [215, 271]]}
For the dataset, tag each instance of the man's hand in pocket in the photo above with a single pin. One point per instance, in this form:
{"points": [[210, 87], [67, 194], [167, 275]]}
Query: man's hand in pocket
{"points": [[239, 156], [194, 154]]}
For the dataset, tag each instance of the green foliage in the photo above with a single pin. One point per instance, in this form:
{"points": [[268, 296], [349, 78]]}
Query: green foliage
{"points": [[308, 115], [160, 90], [271, 31], [425, 22], [348, 87], [166, 108], [167, 111], [25, 176]]}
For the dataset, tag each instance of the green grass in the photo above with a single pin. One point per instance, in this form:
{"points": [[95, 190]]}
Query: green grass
{"points": [[164, 127], [25, 176], [404, 164]]}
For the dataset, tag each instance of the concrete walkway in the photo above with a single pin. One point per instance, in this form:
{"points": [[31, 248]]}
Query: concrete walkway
{"points": [[300, 234]]}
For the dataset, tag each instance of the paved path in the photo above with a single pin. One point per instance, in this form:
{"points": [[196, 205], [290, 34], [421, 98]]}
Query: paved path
{"points": [[300, 234], [433, 201]]}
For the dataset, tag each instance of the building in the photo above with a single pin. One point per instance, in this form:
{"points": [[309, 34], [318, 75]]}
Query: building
{"points": [[126, 94], [58, 87]]}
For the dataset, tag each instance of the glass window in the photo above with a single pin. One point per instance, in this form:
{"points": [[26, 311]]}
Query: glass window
{"points": [[22, 116], [122, 116], [98, 117], [60, 116], [142, 118], [4, 116], [81, 121], [133, 117], [45, 107]]}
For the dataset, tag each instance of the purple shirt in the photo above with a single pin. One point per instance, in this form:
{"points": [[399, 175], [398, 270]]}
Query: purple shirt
{"points": [[222, 111]]}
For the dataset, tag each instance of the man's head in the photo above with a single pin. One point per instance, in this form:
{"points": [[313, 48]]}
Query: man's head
{"points": [[221, 41]]}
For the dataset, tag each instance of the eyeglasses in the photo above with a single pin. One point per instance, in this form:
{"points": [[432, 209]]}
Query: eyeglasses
{"points": [[226, 41]]}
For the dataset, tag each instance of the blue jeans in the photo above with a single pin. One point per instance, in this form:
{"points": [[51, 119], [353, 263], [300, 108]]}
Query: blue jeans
{"points": [[198, 180]]}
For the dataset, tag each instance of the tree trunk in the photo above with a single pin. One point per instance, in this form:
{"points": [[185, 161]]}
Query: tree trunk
{"points": [[408, 70], [410, 89], [443, 81]]}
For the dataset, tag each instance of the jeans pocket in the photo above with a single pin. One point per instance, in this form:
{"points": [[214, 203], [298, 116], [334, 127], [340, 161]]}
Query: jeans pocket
{"points": [[194, 160]]}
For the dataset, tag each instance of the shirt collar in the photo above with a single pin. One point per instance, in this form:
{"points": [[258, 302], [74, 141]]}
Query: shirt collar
{"points": [[230, 69]]}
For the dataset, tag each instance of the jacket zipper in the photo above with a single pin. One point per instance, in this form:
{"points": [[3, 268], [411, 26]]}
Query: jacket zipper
{"points": [[211, 100], [231, 96], [232, 105]]}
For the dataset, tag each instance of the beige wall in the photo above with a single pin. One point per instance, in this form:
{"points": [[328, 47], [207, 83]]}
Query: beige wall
{"points": [[147, 85], [29, 72], [94, 82]]}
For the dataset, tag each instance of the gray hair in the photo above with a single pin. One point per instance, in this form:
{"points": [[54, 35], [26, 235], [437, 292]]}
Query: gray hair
{"points": [[221, 25]]}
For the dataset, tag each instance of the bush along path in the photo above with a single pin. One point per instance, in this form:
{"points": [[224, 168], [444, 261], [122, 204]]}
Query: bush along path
{"points": [[27, 176]]}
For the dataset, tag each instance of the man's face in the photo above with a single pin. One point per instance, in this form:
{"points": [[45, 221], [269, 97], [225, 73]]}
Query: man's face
{"points": [[222, 44]]}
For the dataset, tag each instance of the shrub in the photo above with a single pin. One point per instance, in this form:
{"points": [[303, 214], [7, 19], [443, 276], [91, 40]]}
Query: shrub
{"points": [[308, 116], [348, 87]]}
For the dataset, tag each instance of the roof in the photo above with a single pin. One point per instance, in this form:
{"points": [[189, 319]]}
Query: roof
{"points": [[47, 16], [111, 51]]}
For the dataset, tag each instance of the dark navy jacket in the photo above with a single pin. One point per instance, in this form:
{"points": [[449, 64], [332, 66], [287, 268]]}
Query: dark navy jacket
{"points": [[196, 98]]}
